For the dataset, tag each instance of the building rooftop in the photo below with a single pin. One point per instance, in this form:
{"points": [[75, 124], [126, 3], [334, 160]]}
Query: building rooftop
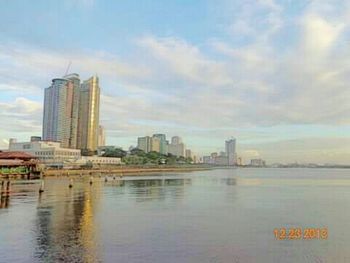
{"points": [[16, 155]]}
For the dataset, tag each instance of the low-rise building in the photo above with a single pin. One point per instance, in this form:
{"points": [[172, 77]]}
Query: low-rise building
{"points": [[98, 160], [48, 153]]}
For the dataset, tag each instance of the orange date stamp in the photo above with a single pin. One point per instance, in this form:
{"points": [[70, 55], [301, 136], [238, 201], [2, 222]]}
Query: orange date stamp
{"points": [[300, 233]]}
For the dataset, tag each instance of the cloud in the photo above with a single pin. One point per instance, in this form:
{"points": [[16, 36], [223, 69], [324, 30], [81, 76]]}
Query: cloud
{"points": [[274, 64]]}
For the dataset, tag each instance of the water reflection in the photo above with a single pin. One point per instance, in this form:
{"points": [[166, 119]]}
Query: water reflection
{"points": [[5, 194], [66, 230], [157, 189]]}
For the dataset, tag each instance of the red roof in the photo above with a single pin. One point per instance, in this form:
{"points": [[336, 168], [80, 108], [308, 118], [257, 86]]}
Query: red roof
{"points": [[16, 155]]}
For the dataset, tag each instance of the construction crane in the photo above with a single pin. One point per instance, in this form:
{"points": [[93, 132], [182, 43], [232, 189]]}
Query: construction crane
{"points": [[69, 64]]}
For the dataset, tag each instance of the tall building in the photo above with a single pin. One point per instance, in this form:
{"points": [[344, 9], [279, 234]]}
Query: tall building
{"points": [[230, 146], [101, 136], [74, 83], [149, 144], [155, 144], [176, 147], [176, 140], [163, 145], [89, 110], [61, 105], [144, 143], [188, 153]]}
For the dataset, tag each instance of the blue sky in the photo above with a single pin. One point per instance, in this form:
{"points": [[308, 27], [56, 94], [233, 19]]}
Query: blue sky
{"points": [[273, 74]]}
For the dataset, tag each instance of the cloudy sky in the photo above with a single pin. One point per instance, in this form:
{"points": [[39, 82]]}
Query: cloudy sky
{"points": [[273, 74]]}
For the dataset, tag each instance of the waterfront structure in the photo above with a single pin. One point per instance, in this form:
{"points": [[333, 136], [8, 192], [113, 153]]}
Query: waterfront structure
{"points": [[163, 144], [230, 147], [60, 112], [18, 164], [49, 153], [176, 147], [89, 110], [101, 136]]}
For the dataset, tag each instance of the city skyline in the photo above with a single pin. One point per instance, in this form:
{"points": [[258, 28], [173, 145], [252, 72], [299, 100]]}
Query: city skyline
{"points": [[272, 74]]}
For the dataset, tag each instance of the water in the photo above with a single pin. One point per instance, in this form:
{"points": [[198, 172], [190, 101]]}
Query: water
{"points": [[206, 216]]}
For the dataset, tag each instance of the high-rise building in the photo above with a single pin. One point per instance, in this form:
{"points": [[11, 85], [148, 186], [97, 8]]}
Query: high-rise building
{"points": [[163, 147], [176, 147], [149, 144], [188, 153], [101, 136], [176, 140], [230, 146], [144, 143], [155, 144], [89, 110], [61, 102]]}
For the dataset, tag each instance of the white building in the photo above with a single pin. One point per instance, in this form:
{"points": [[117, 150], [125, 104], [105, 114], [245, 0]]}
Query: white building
{"points": [[230, 147], [98, 160], [49, 153]]}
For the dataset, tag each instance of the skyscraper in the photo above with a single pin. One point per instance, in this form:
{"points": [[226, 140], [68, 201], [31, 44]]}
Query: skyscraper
{"points": [[89, 110], [74, 84], [163, 146], [61, 102], [230, 146]]}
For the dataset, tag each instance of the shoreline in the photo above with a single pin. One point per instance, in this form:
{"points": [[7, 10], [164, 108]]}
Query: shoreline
{"points": [[121, 171]]}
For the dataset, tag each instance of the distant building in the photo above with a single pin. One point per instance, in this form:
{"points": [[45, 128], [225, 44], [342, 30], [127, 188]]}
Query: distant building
{"points": [[257, 163], [208, 160], [177, 147], [214, 155], [221, 160], [144, 143], [35, 138], [101, 136], [230, 147], [155, 144], [176, 140], [163, 145], [188, 153]]}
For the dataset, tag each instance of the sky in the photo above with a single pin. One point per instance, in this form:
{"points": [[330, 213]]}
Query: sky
{"points": [[272, 74]]}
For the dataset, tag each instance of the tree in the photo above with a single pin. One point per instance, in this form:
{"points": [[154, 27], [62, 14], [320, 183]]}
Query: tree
{"points": [[117, 152], [137, 151]]}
